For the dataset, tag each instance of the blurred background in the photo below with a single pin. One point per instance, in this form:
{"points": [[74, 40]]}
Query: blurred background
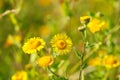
{"points": [[23, 19]]}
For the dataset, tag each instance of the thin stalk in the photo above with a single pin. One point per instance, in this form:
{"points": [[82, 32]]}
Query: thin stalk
{"points": [[81, 76], [53, 72]]}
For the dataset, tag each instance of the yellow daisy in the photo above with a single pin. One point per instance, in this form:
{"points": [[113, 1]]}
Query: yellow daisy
{"points": [[45, 61], [20, 75], [96, 25], [61, 43], [110, 61], [33, 45]]}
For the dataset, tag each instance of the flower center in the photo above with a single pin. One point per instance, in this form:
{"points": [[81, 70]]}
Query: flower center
{"points": [[111, 61], [61, 44], [19, 76], [34, 44]]}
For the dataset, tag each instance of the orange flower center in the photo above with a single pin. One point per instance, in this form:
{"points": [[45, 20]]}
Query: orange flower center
{"points": [[19, 76], [61, 44], [34, 44], [111, 61]]}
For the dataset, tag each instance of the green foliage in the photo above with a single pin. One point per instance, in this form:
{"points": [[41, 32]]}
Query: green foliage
{"points": [[23, 19]]}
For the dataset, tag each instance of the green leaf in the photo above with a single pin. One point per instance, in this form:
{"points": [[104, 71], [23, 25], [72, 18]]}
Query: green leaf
{"points": [[78, 54], [84, 65], [90, 45]]}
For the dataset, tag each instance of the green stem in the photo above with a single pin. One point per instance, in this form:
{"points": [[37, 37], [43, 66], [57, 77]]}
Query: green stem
{"points": [[53, 72], [81, 76]]}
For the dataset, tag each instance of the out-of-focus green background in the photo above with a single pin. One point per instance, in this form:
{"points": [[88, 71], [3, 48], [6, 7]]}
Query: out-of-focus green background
{"points": [[46, 18]]}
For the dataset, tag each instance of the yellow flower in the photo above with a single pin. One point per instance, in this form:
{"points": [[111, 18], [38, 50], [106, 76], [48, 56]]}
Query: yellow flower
{"points": [[44, 2], [20, 75], [33, 45], [12, 39], [61, 43], [85, 19], [44, 31], [110, 61], [1, 3], [95, 61], [45, 61], [9, 41], [96, 25], [17, 38], [101, 53]]}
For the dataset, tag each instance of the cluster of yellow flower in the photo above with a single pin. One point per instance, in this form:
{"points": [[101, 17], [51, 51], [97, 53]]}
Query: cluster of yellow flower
{"points": [[94, 24], [109, 61], [60, 43]]}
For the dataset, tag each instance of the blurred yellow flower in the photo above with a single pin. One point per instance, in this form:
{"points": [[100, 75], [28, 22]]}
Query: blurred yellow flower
{"points": [[12, 39], [44, 31], [33, 45], [95, 61], [20, 75], [9, 41], [28, 66], [45, 61], [111, 61], [61, 43], [96, 25], [44, 2], [17, 38], [101, 53], [85, 19], [1, 3]]}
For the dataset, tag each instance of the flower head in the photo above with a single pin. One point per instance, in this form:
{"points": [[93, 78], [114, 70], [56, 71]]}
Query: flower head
{"points": [[95, 61], [61, 43], [9, 41], [110, 61], [20, 75], [33, 45], [45, 61], [85, 19], [44, 31], [96, 25]]}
